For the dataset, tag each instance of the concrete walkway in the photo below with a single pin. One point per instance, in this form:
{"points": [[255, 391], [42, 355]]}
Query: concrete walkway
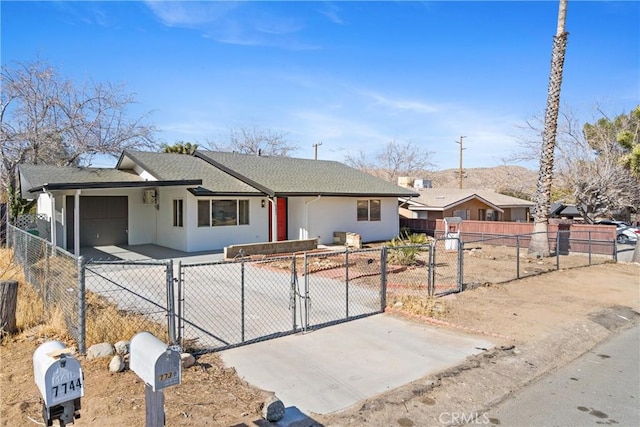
{"points": [[331, 369]]}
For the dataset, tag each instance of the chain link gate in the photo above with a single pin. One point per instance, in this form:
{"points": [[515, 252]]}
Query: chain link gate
{"points": [[125, 297], [226, 304], [445, 266]]}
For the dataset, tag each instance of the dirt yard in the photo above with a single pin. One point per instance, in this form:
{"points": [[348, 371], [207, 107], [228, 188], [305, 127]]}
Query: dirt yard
{"points": [[537, 323]]}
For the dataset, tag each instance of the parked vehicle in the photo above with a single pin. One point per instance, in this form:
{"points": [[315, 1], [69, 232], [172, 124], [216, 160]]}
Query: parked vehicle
{"points": [[624, 232]]}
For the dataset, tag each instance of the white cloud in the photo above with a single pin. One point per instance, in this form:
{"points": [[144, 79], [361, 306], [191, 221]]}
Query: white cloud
{"points": [[237, 23], [189, 14], [402, 105], [330, 10]]}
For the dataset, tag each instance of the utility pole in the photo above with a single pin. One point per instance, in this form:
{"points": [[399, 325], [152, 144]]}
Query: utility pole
{"points": [[460, 142], [315, 147]]}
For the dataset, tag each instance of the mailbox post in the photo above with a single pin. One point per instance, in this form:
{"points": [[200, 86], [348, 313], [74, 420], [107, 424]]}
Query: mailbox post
{"points": [[159, 366], [59, 379], [452, 232]]}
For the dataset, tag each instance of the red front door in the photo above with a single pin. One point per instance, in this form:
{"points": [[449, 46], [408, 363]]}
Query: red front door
{"points": [[281, 206]]}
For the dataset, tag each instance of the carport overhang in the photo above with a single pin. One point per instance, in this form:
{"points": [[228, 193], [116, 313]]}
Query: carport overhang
{"points": [[77, 187]]}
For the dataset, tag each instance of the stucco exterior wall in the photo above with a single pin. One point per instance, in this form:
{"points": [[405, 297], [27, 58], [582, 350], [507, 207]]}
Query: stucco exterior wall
{"points": [[216, 238], [329, 214]]}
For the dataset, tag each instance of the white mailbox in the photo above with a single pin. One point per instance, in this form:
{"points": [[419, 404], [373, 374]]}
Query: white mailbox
{"points": [[59, 378], [155, 362], [452, 232]]}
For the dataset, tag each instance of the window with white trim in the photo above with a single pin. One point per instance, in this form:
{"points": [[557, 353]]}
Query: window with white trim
{"points": [[178, 212], [217, 213], [368, 210]]}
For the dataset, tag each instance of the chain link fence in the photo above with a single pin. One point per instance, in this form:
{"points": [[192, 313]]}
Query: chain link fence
{"points": [[53, 273], [122, 298], [501, 258], [217, 305]]}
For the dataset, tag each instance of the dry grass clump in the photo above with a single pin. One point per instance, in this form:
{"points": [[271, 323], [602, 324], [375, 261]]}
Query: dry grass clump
{"points": [[31, 315], [420, 305], [106, 323]]}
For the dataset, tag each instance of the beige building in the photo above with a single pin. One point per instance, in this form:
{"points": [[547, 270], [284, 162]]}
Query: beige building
{"points": [[468, 204]]}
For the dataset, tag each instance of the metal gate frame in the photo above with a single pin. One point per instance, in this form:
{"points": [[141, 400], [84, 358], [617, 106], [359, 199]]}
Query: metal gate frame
{"points": [[433, 265]]}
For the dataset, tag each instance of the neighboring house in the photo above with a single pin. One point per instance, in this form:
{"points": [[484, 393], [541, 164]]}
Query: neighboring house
{"points": [[210, 200], [480, 205]]}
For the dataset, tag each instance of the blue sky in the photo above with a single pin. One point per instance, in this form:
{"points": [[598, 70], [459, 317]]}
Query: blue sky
{"points": [[352, 75]]}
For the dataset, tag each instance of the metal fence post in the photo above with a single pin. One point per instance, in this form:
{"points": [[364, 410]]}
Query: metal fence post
{"points": [[589, 246], [615, 250], [558, 250], [346, 280], [180, 313], [293, 292], [460, 264], [383, 279], [171, 302], [307, 303], [429, 269], [242, 314], [517, 256], [45, 282], [82, 302]]}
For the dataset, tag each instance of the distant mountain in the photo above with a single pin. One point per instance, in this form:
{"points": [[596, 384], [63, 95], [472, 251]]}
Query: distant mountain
{"points": [[513, 180]]}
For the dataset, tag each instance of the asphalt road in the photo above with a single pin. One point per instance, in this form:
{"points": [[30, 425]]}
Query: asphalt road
{"points": [[600, 388]]}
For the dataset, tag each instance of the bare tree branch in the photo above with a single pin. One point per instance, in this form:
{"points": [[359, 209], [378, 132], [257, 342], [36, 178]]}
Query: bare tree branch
{"points": [[394, 160], [45, 118], [252, 140]]}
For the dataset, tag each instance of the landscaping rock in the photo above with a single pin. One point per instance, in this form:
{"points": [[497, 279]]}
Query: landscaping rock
{"points": [[187, 360], [116, 364], [100, 350], [122, 347], [273, 409]]}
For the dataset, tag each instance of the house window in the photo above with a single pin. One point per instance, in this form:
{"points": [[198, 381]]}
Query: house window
{"points": [[462, 213], [203, 213], [488, 215], [368, 210], [223, 212], [178, 212]]}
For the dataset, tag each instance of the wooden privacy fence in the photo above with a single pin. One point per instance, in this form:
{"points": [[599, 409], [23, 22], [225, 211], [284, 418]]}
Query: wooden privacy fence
{"points": [[584, 238]]}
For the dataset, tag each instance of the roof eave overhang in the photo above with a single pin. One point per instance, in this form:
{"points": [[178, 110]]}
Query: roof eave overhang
{"points": [[339, 194], [203, 192], [111, 185]]}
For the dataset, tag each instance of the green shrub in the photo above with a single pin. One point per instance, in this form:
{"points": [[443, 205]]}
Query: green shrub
{"points": [[404, 250]]}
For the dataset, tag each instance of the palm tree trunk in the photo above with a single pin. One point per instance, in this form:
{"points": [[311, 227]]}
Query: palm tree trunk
{"points": [[539, 244]]}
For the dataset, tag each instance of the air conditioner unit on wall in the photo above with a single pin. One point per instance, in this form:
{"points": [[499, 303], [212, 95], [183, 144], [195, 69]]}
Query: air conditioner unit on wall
{"points": [[149, 197]]}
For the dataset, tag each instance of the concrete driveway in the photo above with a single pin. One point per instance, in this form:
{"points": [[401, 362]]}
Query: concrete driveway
{"points": [[333, 368]]}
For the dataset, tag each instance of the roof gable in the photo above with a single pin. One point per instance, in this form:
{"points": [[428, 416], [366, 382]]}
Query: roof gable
{"points": [[171, 166]]}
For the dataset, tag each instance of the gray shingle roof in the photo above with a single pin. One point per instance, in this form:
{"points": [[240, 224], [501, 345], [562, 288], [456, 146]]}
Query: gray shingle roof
{"points": [[288, 176], [173, 166], [441, 198], [36, 176]]}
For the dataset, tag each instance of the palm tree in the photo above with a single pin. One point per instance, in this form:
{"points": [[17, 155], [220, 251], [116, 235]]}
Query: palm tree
{"points": [[539, 243]]}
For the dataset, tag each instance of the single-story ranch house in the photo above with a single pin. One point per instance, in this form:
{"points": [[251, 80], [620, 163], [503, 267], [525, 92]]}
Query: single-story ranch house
{"points": [[210, 200], [479, 205]]}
